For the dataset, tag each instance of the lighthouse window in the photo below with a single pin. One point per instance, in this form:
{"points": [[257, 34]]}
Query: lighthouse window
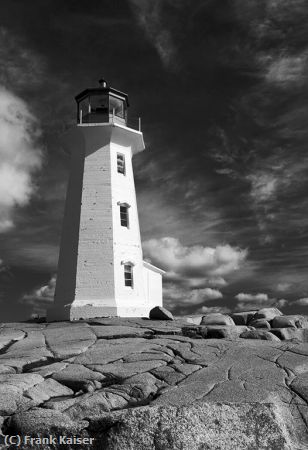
{"points": [[124, 215], [121, 163], [116, 107], [128, 275]]}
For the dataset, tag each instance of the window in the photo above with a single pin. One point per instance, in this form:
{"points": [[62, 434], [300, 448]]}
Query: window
{"points": [[128, 275], [121, 163], [124, 215], [116, 107]]}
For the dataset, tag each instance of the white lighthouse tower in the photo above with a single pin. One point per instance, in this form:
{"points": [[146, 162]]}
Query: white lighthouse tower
{"points": [[101, 271]]}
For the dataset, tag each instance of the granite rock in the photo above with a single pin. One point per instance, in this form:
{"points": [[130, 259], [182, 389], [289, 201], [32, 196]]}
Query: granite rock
{"points": [[260, 323], [259, 334], [89, 379], [243, 317], [217, 319], [160, 313], [267, 314]]}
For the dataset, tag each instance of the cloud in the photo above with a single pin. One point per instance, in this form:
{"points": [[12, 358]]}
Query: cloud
{"points": [[195, 261], [248, 301], [195, 273], [215, 309], [41, 298], [258, 298], [20, 155], [282, 287], [20, 66], [150, 18], [288, 70], [301, 301]]}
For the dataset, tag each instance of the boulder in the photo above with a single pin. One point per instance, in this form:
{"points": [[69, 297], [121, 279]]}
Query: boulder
{"points": [[207, 426], [44, 421], [225, 331], [196, 320], [194, 331], [260, 323], [160, 313], [289, 321], [46, 390], [243, 317], [267, 313], [287, 334], [217, 319], [78, 377], [214, 331], [259, 334]]}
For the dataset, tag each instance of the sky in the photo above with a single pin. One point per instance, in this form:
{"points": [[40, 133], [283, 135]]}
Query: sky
{"points": [[221, 87]]}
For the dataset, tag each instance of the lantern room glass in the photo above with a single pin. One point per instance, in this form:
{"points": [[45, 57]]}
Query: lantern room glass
{"points": [[102, 108]]}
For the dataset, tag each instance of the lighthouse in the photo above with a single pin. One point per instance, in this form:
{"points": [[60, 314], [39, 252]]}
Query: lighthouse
{"points": [[101, 271]]}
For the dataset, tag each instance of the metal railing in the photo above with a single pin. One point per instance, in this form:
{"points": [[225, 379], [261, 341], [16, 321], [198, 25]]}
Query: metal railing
{"points": [[130, 122]]}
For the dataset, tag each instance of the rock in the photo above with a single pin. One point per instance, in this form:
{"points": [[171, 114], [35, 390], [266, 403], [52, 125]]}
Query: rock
{"points": [[12, 387], [194, 331], [144, 356], [49, 369], [288, 321], [225, 332], [142, 386], [103, 352], [119, 331], [8, 336], [217, 319], [196, 320], [27, 351], [208, 426], [286, 334], [6, 369], [43, 421], [259, 334], [61, 403], [78, 377], [243, 317], [94, 406], [214, 331], [120, 370], [168, 374], [69, 341], [300, 385], [267, 313], [46, 390], [160, 313], [260, 323]]}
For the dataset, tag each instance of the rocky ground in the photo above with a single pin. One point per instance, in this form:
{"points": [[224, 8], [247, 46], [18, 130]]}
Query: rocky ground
{"points": [[216, 382]]}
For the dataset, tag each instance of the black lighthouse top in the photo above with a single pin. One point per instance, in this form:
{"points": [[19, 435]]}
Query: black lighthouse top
{"points": [[102, 104]]}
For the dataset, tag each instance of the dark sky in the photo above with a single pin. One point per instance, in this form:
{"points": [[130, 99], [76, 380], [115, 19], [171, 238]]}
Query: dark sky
{"points": [[221, 86]]}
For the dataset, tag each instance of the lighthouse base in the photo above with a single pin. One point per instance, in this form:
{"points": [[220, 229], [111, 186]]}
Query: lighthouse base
{"points": [[89, 311]]}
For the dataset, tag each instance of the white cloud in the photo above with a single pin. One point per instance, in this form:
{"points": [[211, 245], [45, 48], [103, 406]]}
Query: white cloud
{"points": [[20, 66], [302, 301], [20, 155], [287, 69], [41, 298], [195, 261], [215, 309], [282, 287], [263, 186], [193, 273], [150, 18], [258, 298], [179, 295], [248, 302], [199, 283]]}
